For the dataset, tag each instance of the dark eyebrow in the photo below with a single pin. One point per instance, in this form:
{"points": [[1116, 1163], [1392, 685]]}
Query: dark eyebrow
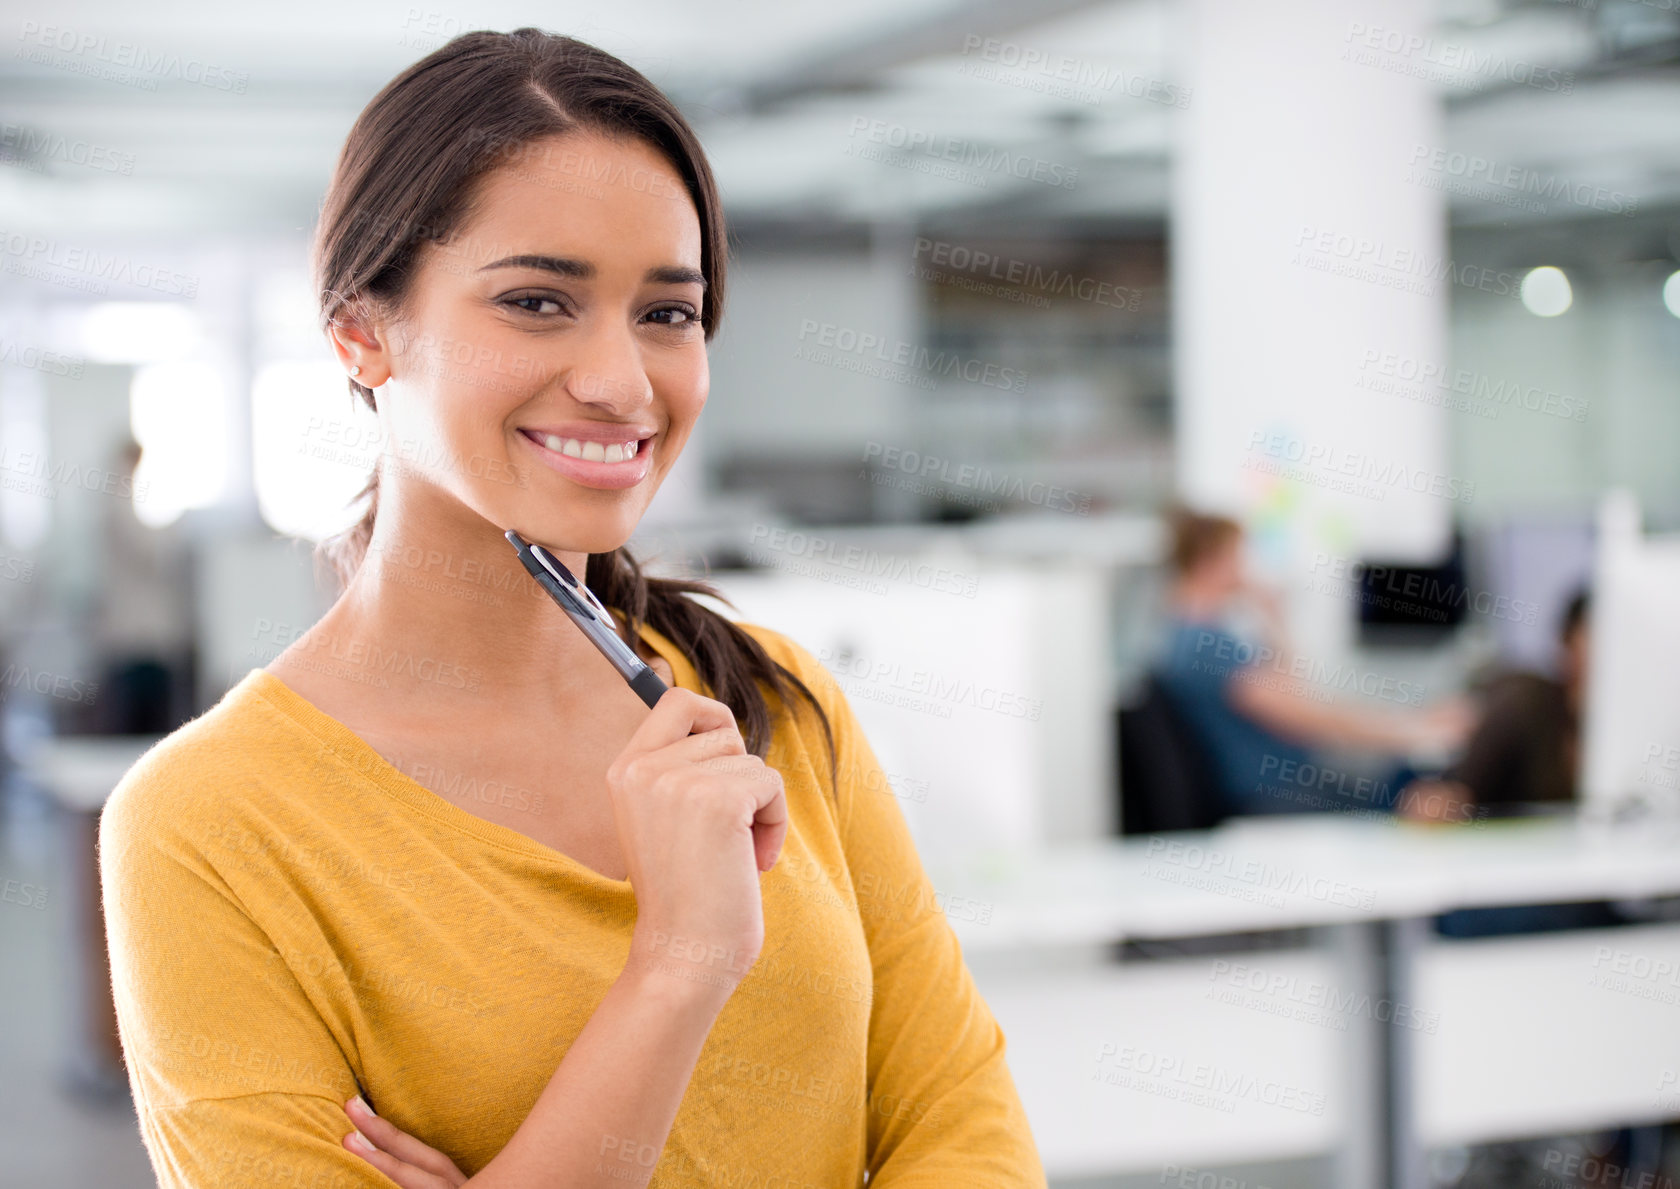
{"points": [[676, 274], [566, 266]]}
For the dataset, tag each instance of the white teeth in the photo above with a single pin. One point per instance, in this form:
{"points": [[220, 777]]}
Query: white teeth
{"points": [[591, 451]]}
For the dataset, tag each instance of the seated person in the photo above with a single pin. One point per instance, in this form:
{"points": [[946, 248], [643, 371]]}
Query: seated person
{"points": [[1259, 722], [1526, 746]]}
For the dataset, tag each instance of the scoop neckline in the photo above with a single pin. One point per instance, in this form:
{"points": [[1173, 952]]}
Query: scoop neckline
{"points": [[366, 763]]}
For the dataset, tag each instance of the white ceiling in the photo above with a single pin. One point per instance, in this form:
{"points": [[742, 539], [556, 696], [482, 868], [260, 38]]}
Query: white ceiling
{"points": [[775, 88]]}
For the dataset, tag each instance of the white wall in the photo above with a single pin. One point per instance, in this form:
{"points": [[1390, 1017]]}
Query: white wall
{"points": [[764, 396], [1618, 350]]}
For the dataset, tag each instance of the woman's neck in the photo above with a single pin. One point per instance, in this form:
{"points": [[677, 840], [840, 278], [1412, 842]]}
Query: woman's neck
{"points": [[444, 612]]}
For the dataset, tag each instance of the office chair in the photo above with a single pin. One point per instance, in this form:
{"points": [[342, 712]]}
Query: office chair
{"points": [[1166, 782]]}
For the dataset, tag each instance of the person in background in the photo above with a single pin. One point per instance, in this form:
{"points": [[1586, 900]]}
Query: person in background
{"points": [[1526, 746], [143, 619], [1262, 726]]}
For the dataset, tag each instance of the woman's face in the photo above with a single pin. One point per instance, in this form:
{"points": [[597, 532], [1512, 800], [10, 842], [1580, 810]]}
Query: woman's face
{"points": [[549, 361]]}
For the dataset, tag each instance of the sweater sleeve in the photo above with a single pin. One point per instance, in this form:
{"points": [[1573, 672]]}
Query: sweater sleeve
{"points": [[942, 1107], [237, 1079]]}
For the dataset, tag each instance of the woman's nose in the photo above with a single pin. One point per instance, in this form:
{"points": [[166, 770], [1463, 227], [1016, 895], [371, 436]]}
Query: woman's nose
{"points": [[609, 373]]}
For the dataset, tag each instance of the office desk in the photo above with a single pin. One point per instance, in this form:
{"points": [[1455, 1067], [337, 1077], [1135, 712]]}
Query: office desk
{"points": [[1374, 883]]}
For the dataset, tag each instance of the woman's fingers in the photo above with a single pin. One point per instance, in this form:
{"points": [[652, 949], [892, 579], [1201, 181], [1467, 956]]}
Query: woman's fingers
{"points": [[406, 1160], [405, 1175]]}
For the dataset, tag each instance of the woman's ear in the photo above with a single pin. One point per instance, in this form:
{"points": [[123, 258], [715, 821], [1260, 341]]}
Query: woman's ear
{"points": [[359, 346]]}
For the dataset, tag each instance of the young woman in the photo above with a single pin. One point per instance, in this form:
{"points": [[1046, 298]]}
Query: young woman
{"points": [[437, 858]]}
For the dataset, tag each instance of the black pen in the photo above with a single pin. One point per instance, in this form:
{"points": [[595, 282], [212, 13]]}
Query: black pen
{"points": [[591, 616]]}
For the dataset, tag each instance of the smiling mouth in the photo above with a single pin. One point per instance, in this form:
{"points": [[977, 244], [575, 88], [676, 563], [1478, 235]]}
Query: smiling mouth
{"points": [[588, 451]]}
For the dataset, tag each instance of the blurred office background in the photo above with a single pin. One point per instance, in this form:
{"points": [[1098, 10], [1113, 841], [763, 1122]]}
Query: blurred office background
{"points": [[1395, 285]]}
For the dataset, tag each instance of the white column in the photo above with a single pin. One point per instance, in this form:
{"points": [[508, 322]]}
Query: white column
{"points": [[1303, 258]]}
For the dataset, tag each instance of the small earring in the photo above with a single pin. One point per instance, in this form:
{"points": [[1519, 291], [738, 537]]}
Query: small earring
{"points": [[356, 371]]}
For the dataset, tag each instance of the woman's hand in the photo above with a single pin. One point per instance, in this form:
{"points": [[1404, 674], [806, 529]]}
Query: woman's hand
{"points": [[699, 818], [397, 1154]]}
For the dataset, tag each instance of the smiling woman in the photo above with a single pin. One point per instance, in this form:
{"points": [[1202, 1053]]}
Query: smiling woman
{"points": [[437, 852]]}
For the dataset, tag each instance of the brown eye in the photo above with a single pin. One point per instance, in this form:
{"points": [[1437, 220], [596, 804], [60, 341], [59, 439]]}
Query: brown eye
{"points": [[686, 316], [520, 302]]}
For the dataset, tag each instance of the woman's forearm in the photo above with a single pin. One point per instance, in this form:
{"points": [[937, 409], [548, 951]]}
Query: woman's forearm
{"points": [[604, 1115]]}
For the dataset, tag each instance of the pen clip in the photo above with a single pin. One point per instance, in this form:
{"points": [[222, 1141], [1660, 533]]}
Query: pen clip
{"points": [[596, 609]]}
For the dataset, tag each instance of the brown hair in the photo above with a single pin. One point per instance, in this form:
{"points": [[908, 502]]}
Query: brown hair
{"points": [[407, 176], [1197, 536]]}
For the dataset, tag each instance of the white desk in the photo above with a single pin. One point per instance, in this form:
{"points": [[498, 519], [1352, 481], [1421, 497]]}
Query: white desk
{"points": [[1286, 872], [1530, 1037]]}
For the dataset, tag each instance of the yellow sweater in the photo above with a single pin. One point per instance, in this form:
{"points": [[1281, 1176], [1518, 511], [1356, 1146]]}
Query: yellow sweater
{"points": [[291, 917]]}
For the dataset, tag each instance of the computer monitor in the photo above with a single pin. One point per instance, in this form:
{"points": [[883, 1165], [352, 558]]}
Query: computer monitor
{"points": [[1631, 733], [1406, 603]]}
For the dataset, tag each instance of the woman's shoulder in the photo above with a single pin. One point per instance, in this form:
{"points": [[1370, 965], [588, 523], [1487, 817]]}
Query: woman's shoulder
{"points": [[782, 648], [199, 768], [798, 660]]}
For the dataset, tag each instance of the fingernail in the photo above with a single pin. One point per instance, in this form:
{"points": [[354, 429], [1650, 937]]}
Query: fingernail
{"points": [[361, 1141], [361, 1105]]}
